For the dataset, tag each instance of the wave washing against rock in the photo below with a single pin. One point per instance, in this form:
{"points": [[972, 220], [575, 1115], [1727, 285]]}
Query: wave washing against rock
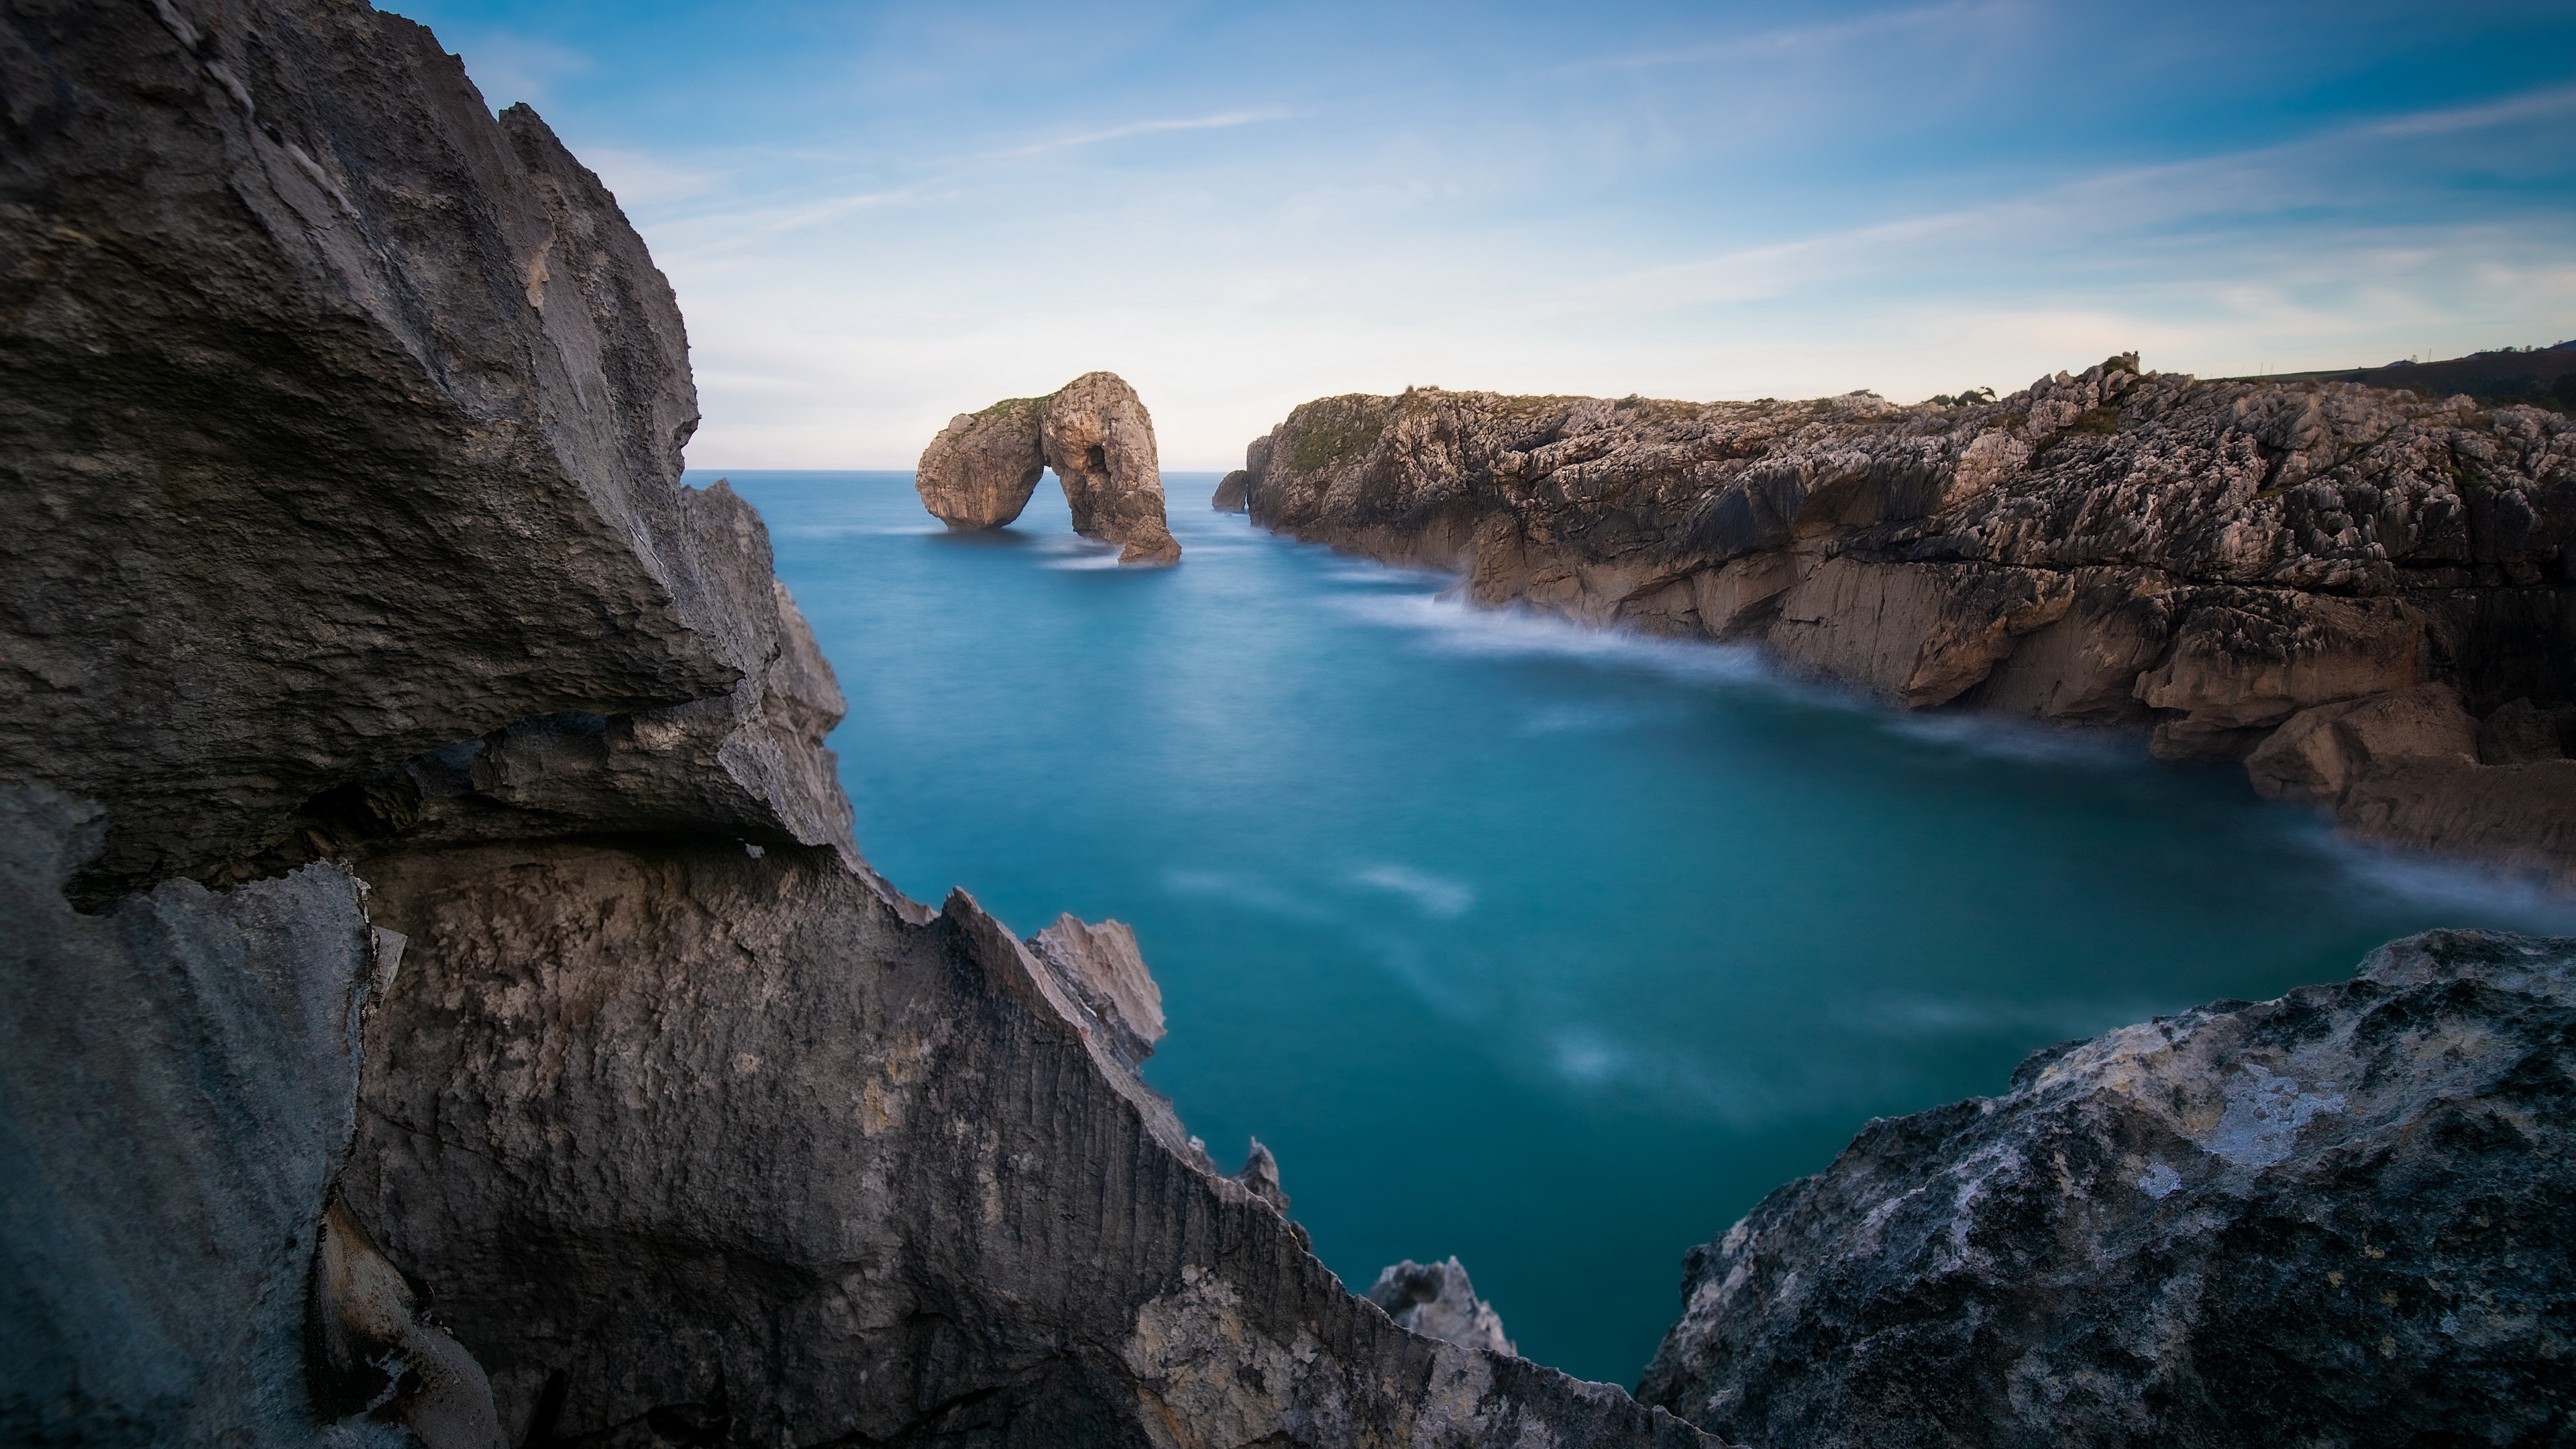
{"points": [[2366, 592]]}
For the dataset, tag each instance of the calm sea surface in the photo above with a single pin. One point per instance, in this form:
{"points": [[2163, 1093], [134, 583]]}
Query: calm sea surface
{"points": [[1551, 949]]}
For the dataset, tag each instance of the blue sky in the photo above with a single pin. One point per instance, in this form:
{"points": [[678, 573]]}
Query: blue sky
{"points": [[877, 215]]}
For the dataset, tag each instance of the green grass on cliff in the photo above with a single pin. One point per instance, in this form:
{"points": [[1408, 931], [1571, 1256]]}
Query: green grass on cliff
{"points": [[1337, 440]]}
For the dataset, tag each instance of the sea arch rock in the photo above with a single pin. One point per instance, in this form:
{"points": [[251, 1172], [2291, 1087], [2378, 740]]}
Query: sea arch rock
{"points": [[1094, 432]]}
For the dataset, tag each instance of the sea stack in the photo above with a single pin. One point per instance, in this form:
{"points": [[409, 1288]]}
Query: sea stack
{"points": [[1094, 432]]}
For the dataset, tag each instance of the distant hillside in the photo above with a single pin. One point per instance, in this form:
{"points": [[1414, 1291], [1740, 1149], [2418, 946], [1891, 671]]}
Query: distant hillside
{"points": [[2540, 376]]}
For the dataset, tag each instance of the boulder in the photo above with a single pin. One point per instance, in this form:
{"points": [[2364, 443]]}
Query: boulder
{"points": [[1436, 1301], [981, 469], [2337, 1217]]}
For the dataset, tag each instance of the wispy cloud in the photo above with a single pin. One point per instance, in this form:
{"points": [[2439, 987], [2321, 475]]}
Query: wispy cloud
{"points": [[1219, 121], [2128, 201], [1790, 40]]}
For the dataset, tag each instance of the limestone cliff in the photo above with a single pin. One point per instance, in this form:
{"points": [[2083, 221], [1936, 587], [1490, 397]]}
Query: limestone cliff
{"points": [[1094, 432], [2217, 561], [351, 582], [2335, 1218]]}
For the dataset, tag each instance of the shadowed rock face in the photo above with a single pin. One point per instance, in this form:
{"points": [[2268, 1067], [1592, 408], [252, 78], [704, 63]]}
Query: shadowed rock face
{"points": [[2206, 559], [313, 374], [981, 469], [2339, 1217], [175, 1098], [746, 1146]]}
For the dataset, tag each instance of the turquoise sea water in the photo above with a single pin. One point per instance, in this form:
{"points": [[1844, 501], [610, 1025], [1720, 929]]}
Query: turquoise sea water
{"points": [[1551, 949]]}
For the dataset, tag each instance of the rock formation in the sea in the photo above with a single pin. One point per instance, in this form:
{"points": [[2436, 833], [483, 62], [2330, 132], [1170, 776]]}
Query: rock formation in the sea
{"points": [[1094, 432], [1437, 1301], [1233, 493], [2216, 560], [2340, 1217], [443, 997]]}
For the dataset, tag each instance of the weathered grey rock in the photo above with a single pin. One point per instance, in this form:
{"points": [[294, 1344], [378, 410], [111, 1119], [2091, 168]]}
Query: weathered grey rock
{"points": [[980, 470], [2118, 547], [2335, 1218], [1105, 974], [1100, 442], [1436, 1300], [1233, 492], [175, 1099], [741, 1150], [338, 423]]}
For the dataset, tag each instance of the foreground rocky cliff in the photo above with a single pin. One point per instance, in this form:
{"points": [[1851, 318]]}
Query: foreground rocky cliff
{"points": [[444, 1000], [2336, 1218], [2364, 594]]}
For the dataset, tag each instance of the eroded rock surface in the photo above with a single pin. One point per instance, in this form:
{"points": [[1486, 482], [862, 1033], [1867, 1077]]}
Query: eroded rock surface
{"points": [[2120, 547], [1436, 1300], [176, 1096], [2335, 1218], [744, 1147], [314, 374], [1094, 432]]}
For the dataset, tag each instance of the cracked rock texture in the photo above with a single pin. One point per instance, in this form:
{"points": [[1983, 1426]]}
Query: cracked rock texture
{"points": [[1437, 1301], [303, 353], [687, 1142], [2211, 560], [2336, 1218], [1094, 432]]}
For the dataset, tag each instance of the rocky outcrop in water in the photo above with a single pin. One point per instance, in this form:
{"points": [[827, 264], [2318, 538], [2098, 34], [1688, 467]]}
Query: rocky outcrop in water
{"points": [[2335, 1218], [352, 583], [1437, 1301], [2209, 560], [1094, 432]]}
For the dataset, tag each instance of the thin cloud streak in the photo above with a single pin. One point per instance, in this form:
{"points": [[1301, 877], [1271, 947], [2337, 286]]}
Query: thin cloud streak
{"points": [[1223, 120], [1872, 26], [2127, 200]]}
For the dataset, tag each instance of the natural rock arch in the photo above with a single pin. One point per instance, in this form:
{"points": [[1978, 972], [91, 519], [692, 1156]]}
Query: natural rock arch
{"points": [[1094, 432]]}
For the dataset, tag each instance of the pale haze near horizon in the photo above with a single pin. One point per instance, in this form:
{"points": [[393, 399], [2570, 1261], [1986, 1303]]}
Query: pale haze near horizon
{"points": [[877, 216]]}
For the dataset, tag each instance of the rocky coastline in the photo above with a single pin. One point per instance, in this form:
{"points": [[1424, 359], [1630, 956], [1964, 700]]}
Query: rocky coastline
{"points": [[446, 1004], [2362, 594]]}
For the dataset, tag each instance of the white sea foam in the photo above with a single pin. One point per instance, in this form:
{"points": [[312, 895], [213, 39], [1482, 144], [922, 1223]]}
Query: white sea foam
{"points": [[1457, 627], [1432, 895], [1244, 889], [1993, 737], [2481, 890]]}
